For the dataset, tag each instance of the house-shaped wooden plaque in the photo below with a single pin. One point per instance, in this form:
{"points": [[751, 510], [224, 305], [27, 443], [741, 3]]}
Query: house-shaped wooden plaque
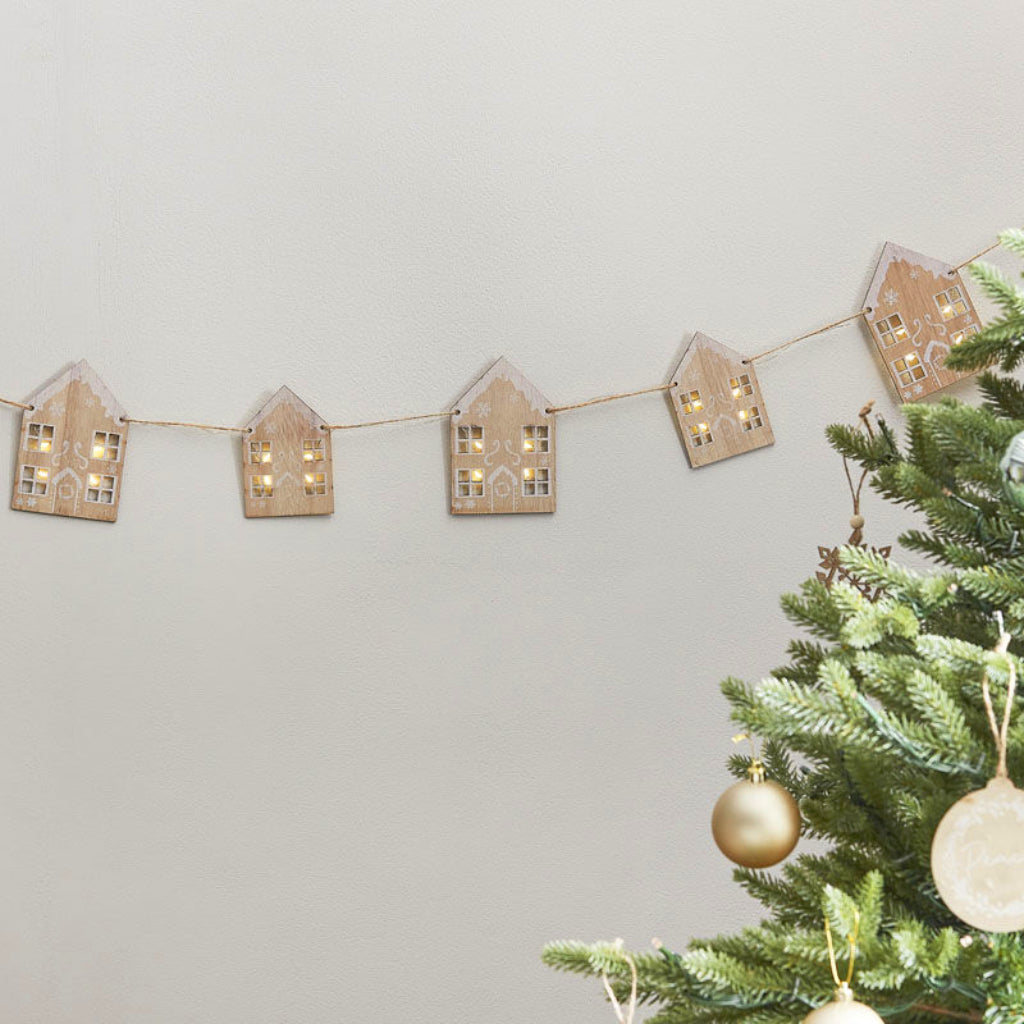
{"points": [[286, 460], [918, 309], [72, 448], [718, 403], [502, 446]]}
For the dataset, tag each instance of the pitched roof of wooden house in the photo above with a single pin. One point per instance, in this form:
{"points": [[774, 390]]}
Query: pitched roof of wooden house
{"points": [[502, 369], [81, 371], [893, 253], [699, 341], [285, 395]]}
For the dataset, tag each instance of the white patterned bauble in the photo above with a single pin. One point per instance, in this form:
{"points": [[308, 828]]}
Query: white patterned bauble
{"points": [[978, 857]]}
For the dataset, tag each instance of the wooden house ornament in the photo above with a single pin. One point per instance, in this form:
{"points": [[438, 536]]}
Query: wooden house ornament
{"points": [[917, 310], [71, 449], [286, 460], [718, 403], [502, 446]]}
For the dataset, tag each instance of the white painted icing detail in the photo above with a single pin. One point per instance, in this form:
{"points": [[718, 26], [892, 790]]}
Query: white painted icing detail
{"points": [[892, 253], [84, 373], [287, 396], [501, 370]]}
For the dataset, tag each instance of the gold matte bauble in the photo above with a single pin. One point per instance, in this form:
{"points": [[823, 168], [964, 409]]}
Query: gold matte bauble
{"points": [[843, 1009], [978, 857], [756, 822]]}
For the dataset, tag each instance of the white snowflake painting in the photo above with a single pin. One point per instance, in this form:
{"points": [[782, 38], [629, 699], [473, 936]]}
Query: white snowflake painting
{"points": [[891, 296]]}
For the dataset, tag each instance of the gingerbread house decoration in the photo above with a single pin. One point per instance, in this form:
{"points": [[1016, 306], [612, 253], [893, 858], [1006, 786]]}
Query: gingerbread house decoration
{"points": [[917, 309], [718, 403], [72, 447], [286, 460], [502, 446]]}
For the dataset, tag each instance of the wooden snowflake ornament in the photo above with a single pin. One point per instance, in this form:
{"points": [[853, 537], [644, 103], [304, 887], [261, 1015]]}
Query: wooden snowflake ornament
{"points": [[502, 446], [72, 448], [286, 460], [718, 403], [917, 310]]}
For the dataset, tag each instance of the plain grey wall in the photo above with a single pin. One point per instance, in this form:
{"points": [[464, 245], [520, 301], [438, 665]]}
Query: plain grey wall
{"points": [[362, 768]]}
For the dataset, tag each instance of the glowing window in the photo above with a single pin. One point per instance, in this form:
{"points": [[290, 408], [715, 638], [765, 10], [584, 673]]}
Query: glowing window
{"points": [[951, 303], [39, 437], [34, 479], [470, 483], [536, 482], [909, 369], [261, 486], [106, 446], [751, 418], [315, 483], [313, 450], [958, 336], [691, 401], [535, 439], [470, 440], [260, 451], [891, 330], [741, 385], [100, 489], [700, 434]]}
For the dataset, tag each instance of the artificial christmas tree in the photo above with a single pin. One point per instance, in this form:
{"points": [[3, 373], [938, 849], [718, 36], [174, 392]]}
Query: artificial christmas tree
{"points": [[877, 727]]}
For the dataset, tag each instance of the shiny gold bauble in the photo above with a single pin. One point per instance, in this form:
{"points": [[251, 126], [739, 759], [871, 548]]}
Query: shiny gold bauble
{"points": [[756, 822], [843, 1009], [978, 857]]}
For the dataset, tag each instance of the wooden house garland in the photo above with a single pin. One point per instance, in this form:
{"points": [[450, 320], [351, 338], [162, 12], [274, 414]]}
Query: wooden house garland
{"points": [[72, 448], [718, 403], [286, 460], [917, 310], [502, 446]]}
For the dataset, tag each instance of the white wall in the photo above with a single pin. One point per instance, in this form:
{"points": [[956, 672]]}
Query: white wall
{"points": [[362, 768]]}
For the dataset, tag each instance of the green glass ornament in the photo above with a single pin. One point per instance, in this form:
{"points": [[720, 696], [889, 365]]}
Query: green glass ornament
{"points": [[1012, 470]]}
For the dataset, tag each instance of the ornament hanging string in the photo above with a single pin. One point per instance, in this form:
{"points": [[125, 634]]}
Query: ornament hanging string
{"points": [[1000, 732], [553, 409], [624, 1017], [852, 940], [857, 523]]}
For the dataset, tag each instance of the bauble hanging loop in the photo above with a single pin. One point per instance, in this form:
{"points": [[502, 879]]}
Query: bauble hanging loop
{"points": [[843, 1008], [755, 822]]}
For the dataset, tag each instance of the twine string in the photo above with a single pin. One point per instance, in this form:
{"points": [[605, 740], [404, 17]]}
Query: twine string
{"points": [[551, 409], [1000, 732], [184, 423], [852, 940], [624, 1017], [17, 405], [803, 337], [976, 256], [609, 398], [395, 419], [855, 490]]}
